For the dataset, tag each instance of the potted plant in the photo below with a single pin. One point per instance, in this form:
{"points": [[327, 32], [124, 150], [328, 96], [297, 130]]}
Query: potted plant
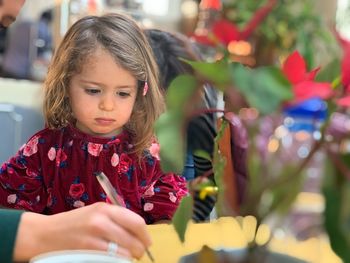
{"points": [[272, 187]]}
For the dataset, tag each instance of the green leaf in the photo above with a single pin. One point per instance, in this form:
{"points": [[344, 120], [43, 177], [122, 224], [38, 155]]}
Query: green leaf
{"points": [[181, 89], [182, 216], [285, 194], [169, 132], [216, 72], [329, 72], [337, 211], [264, 88]]}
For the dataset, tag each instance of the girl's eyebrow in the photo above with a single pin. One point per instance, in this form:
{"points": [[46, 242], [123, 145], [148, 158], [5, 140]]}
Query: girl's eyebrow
{"points": [[103, 85]]}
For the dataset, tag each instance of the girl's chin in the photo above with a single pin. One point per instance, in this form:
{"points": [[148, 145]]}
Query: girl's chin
{"points": [[105, 134]]}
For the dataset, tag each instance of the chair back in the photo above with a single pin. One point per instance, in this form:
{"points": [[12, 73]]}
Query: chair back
{"points": [[18, 125]]}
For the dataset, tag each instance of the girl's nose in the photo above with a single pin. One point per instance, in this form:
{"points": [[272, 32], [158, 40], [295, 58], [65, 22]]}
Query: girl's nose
{"points": [[106, 103]]}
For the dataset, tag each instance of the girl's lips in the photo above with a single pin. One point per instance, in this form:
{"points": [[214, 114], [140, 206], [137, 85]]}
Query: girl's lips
{"points": [[104, 121]]}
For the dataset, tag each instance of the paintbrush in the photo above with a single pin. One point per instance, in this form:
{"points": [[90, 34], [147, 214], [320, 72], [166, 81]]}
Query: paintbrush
{"points": [[112, 195]]}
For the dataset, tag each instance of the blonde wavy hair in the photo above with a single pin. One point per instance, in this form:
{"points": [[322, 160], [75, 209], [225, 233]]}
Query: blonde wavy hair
{"points": [[124, 40]]}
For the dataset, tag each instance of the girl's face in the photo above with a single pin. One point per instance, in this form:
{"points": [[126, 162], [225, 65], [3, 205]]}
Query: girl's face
{"points": [[102, 96]]}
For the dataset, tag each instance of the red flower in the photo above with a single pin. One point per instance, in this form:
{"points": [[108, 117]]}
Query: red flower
{"points": [[76, 190], [345, 65], [304, 86], [124, 163], [345, 71], [224, 31], [345, 101], [210, 4]]}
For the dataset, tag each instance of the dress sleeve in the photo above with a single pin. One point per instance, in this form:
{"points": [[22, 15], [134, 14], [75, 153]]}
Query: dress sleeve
{"points": [[21, 181], [163, 195]]}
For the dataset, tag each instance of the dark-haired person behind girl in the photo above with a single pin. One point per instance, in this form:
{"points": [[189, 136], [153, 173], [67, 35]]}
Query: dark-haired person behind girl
{"points": [[168, 48], [101, 100]]}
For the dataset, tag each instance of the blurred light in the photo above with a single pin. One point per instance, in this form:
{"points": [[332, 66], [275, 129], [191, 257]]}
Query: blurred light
{"points": [[345, 146], [189, 9], [279, 233], [252, 113], [147, 23], [288, 121], [273, 145], [156, 7], [241, 48], [317, 135], [302, 136], [309, 202], [218, 56], [312, 172], [243, 113], [303, 151], [281, 132], [287, 140], [329, 138], [248, 113], [347, 125]]}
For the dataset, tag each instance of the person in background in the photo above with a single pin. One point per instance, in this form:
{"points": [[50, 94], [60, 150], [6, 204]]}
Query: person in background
{"points": [[168, 49], [26, 234], [44, 34]]}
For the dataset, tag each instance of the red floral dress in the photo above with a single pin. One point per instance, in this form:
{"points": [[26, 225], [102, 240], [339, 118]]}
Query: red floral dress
{"points": [[55, 172]]}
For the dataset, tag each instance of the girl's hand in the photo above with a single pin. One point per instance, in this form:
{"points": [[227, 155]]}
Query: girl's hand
{"points": [[90, 227]]}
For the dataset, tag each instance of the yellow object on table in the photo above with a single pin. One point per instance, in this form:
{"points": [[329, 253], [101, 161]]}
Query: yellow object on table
{"points": [[226, 232]]}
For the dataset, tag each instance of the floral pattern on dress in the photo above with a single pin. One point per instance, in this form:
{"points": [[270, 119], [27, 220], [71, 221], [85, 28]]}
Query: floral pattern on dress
{"points": [[149, 191], [115, 160], [124, 163], [11, 199], [76, 190], [31, 173], [172, 197], [148, 207], [31, 147], [154, 150], [94, 148], [52, 154], [61, 156]]}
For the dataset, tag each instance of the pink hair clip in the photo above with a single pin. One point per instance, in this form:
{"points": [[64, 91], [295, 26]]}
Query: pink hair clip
{"points": [[145, 89]]}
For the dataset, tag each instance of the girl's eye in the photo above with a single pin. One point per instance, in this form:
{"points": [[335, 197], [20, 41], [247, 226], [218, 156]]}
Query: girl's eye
{"points": [[123, 94], [92, 91]]}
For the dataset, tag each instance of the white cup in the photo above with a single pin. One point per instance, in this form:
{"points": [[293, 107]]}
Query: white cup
{"points": [[78, 256]]}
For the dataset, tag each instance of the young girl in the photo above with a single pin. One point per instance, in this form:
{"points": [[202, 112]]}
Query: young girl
{"points": [[101, 101]]}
